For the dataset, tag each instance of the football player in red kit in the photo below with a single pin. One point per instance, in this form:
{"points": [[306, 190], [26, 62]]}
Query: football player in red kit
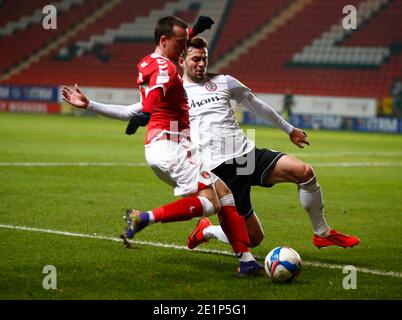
{"points": [[169, 151]]}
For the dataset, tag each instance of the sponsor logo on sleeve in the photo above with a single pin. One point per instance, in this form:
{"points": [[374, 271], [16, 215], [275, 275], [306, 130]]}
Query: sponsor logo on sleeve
{"points": [[163, 77]]}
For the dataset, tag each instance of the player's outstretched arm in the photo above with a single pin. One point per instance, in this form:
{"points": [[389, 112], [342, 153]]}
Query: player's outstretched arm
{"points": [[299, 137], [243, 95], [75, 97], [296, 135]]}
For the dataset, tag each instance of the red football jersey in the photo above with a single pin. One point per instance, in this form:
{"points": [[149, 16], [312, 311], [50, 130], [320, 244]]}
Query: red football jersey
{"points": [[171, 113]]}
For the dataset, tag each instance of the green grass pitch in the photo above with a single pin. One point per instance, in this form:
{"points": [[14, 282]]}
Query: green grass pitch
{"points": [[360, 174]]}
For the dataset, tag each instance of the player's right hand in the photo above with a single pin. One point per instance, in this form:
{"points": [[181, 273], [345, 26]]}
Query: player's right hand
{"points": [[299, 137], [75, 97]]}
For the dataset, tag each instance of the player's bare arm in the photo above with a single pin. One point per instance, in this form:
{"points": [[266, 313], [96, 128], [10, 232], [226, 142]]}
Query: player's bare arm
{"points": [[75, 97], [299, 137]]}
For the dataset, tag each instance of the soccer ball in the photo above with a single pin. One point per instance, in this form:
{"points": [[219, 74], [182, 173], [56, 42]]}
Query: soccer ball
{"points": [[282, 264]]}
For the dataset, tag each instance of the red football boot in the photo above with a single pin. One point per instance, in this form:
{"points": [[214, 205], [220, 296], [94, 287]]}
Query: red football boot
{"points": [[197, 236], [336, 239]]}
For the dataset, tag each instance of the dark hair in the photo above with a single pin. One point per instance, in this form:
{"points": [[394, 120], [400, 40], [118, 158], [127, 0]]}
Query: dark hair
{"points": [[165, 25], [196, 43]]}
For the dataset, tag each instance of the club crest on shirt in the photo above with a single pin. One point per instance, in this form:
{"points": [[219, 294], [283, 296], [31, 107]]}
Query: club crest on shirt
{"points": [[211, 86], [205, 175]]}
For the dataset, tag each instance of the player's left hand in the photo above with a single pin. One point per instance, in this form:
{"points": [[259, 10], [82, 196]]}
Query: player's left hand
{"points": [[203, 23], [140, 119], [299, 137]]}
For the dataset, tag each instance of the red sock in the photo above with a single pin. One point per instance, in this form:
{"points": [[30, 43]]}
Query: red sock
{"points": [[235, 229], [180, 210]]}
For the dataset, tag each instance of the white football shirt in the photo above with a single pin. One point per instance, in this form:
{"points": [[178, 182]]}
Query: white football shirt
{"points": [[213, 123]]}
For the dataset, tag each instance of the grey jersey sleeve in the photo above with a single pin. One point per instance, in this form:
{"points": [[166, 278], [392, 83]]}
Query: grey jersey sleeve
{"points": [[118, 112], [243, 95]]}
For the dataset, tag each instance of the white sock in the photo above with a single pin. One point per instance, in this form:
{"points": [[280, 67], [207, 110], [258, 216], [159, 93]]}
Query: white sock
{"points": [[215, 232], [245, 256], [151, 217], [311, 199]]}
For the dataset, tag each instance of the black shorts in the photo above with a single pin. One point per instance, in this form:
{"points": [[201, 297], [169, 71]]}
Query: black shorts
{"points": [[248, 170]]}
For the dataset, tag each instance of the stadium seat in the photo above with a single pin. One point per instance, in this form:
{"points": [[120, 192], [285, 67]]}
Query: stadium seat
{"points": [[266, 67]]}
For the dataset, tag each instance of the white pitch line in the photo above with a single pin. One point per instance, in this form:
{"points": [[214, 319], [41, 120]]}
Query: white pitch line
{"points": [[142, 164], [357, 164], [349, 154], [178, 247], [71, 164]]}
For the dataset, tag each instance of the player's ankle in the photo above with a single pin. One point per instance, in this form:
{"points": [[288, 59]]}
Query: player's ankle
{"points": [[245, 256], [323, 233]]}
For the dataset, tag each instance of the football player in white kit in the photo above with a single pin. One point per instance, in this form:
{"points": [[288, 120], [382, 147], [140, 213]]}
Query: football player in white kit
{"points": [[230, 154], [235, 159]]}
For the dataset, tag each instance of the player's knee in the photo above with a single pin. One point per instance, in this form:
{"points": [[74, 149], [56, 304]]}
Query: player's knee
{"points": [[304, 173], [308, 172]]}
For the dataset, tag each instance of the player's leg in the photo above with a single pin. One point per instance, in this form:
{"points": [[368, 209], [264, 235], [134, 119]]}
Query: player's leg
{"points": [[183, 209], [240, 185], [170, 162], [291, 169], [205, 231], [255, 230], [227, 216], [204, 204], [190, 177], [234, 227], [232, 224]]}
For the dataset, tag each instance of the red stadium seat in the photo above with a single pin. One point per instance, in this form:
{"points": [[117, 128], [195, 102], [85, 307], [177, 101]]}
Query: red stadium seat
{"points": [[264, 68]]}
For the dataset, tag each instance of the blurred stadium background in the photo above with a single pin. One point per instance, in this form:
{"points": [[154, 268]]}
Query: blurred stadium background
{"points": [[289, 52]]}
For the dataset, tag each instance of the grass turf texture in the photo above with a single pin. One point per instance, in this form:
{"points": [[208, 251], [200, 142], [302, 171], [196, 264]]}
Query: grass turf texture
{"points": [[359, 200]]}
